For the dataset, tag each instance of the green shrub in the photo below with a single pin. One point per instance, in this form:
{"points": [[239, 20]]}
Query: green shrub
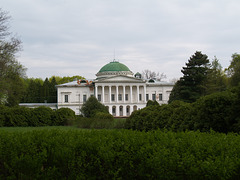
{"points": [[43, 116], [92, 106], [64, 116], [215, 112], [3, 110], [84, 122], [118, 154], [143, 119], [175, 116], [17, 116], [102, 120]]}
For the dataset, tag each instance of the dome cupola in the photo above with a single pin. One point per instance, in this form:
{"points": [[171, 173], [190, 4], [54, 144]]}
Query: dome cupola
{"points": [[114, 68]]}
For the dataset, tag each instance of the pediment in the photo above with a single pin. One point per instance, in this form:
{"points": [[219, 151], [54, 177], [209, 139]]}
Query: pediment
{"points": [[120, 79]]}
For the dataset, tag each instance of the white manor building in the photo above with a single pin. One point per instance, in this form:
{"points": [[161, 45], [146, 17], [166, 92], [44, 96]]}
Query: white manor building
{"points": [[117, 88]]}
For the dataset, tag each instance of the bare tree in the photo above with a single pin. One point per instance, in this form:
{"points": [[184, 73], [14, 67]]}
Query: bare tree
{"points": [[148, 74]]}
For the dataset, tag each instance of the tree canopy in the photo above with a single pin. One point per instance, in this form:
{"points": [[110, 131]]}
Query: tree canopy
{"points": [[11, 71], [92, 106], [191, 86], [233, 70]]}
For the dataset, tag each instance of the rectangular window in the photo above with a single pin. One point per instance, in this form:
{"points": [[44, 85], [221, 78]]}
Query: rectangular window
{"points": [[66, 98], [160, 97], [147, 97], [84, 98], [153, 97], [126, 97], [113, 110], [99, 97], [120, 97], [113, 97], [140, 97]]}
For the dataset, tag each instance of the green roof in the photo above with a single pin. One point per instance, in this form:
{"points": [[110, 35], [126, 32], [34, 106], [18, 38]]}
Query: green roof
{"points": [[114, 66]]}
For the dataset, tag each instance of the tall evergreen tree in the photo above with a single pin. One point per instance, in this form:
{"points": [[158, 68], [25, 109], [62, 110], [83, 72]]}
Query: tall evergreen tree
{"points": [[45, 90], [53, 91], [191, 86], [234, 70]]}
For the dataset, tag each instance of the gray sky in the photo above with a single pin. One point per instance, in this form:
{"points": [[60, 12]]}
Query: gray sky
{"points": [[78, 37]]}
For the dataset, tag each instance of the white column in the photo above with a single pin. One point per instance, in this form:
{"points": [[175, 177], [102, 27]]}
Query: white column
{"points": [[131, 94], [96, 92], [117, 110], [137, 93], [145, 92], [110, 92], [117, 93], [130, 109], [103, 94], [124, 111], [124, 94]]}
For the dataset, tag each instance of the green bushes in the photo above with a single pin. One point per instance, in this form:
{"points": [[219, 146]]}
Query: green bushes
{"points": [[92, 106], [218, 111], [174, 116], [64, 116], [118, 154], [100, 121], [41, 116]]}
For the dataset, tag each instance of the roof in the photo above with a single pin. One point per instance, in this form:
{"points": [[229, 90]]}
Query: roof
{"points": [[114, 66]]}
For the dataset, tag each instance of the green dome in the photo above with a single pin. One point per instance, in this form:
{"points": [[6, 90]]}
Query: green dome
{"points": [[114, 66]]}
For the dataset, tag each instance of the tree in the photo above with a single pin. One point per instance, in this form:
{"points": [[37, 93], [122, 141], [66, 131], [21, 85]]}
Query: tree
{"points": [[191, 86], [45, 89], [53, 91], [216, 79], [148, 74], [233, 70], [11, 71], [92, 106]]}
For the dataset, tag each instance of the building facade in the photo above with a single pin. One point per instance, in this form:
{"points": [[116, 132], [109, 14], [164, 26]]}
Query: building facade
{"points": [[117, 88]]}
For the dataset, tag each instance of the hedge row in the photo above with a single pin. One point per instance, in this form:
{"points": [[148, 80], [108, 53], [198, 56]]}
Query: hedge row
{"points": [[118, 154], [219, 112], [41, 116]]}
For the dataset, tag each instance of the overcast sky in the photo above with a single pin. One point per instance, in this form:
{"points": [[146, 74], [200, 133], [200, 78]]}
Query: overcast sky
{"points": [[78, 37]]}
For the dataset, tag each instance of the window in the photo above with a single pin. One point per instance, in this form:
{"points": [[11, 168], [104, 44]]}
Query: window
{"points": [[99, 97], [66, 98], [126, 97], [119, 97], [84, 98], [153, 97], [140, 97], [113, 97], [147, 97], [113, 110], [160, 97]]}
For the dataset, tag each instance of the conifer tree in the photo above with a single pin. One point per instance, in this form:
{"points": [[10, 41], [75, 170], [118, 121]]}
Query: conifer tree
{"points": [[191, 86]]}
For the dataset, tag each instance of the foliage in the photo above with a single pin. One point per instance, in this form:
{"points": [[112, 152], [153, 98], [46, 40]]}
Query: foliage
{"points": [[38, 91], [234, 70], [92, 106], [190, 87], [11, 71], [215, 112], [41, 116], [121, 154], [63, 115], [152, 103], [102, 120], [216, 80]]}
